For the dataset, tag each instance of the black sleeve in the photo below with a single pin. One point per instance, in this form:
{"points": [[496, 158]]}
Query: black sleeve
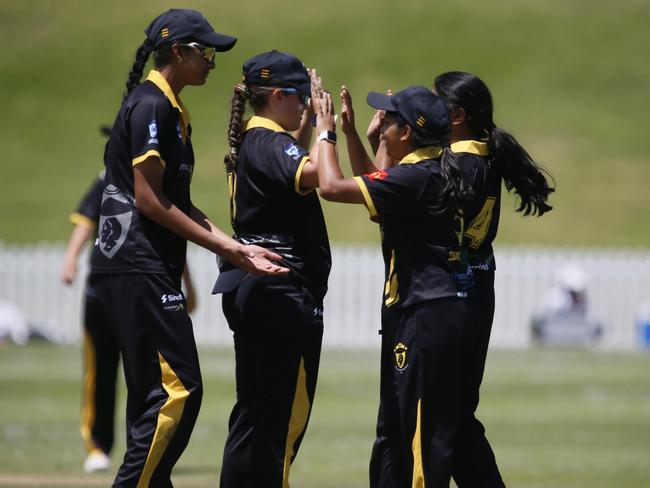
{"points": [[88, 209], [151, 122], [290, 160], [394, 191]]}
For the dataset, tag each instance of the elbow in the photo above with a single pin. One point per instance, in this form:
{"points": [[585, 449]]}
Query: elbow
{"points": [[146, 205], [328, 191]]}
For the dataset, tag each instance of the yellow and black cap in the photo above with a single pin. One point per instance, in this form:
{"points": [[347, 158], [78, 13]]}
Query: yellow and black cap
{"points": [[277, 69], [419, 107], [181, 24]]}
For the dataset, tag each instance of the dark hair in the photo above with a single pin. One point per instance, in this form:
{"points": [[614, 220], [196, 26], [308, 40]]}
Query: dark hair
{"points": [[257, 98], [507, 156], [141, 57], [456, 192], [162, 57]]}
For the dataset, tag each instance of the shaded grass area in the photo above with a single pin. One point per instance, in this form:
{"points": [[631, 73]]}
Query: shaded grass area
{"points": [[555, 418], [566, 79]]}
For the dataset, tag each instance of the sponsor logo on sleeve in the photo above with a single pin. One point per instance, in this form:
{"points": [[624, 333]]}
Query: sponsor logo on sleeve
{"points": [[114, 227], [292, 151], [377, 175], [153, 132]]}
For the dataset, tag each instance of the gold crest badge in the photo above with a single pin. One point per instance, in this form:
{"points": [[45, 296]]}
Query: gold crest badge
{"points": [[400, 356]]}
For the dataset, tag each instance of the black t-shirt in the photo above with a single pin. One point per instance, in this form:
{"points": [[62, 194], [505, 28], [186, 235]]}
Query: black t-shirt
{"points": [[482, 216], [427, 261], [87, 213], [151, 122], [268, 206]]}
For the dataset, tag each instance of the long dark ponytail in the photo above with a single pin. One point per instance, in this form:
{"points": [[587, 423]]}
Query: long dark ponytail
{"points": [[517, 168], [141, 57]]}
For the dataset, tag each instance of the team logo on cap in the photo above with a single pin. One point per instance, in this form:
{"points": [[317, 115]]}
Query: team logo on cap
{"points": [[400, 356], [266, 72], [164, 32], [421, 121]]}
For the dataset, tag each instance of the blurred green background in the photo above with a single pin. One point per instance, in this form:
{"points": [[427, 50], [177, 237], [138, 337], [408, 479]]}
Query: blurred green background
{"points": [[568, 77]]}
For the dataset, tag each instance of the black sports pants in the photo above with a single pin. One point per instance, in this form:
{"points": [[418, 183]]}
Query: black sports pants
{"points": [[474, 462], [161, 368], [101, 358], [420, 395], [278, 330]]}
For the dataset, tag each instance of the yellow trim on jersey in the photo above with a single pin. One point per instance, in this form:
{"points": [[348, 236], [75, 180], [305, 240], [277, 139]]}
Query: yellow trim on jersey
{"points": [[297, 421], [78, 219], [416, 447], [391, 286], [370, 205], [89, 386], [169, 417], [232, 191], [297, 186], [159, 80], [472, 147], [150, 152], [430, 152], [256, 121]]}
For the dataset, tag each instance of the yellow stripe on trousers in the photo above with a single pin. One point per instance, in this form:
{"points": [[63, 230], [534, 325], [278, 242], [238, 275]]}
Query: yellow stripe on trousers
{"points": [[168, 419], [89, 386], [297, 421], [416, 447]]}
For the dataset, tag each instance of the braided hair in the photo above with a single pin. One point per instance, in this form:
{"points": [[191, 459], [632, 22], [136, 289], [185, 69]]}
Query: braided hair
{"points": [[141, 57], [242, 93]]}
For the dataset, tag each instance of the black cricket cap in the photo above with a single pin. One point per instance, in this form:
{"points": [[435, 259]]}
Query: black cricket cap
{"points": [[419, 107], [277, 69], [181, 24]]}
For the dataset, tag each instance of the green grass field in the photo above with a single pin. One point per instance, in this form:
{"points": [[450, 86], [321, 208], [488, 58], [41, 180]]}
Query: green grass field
{"points": [[555, 419], [567, 77]]}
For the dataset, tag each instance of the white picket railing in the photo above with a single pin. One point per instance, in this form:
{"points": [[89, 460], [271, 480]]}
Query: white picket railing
{"points": [[619, 281]]}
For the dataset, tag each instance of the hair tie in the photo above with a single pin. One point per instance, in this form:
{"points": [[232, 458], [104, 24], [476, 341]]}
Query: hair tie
{"points": [[148, 45], [243, 90], [234, 151]]}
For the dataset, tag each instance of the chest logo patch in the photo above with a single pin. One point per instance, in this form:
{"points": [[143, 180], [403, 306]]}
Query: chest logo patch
{"points": [[401, 362], [292, 151]]}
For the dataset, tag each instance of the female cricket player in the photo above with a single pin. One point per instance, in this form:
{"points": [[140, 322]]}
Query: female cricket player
{"points": [[277, 322], [419, 203], [487, 155], [146, 218]]}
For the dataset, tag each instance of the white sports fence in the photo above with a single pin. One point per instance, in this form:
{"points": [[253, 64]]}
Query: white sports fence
{"points": [[619, 281]]}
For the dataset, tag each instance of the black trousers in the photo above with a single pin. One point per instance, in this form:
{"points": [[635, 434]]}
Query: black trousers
{"points": [[474, 462], [101, 354], [278, 331], [421, 395], [161, 368]]}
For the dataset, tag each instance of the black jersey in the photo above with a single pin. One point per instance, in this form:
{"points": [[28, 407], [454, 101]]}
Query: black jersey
{"points": [[268, 206], [427, 261], [151, 122], [87, 213], [482, 215]]}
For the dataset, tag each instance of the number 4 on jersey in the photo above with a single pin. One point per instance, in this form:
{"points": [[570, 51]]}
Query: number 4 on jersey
{"points": [[479, 227]]}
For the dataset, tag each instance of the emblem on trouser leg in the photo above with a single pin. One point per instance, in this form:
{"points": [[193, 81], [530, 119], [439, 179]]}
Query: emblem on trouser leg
{"points": [[400, 356]]}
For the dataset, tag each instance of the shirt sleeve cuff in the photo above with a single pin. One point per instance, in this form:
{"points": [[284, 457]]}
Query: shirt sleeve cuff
{"points": [[151, 152], [297, 186], [370, 205], [77, 219]]}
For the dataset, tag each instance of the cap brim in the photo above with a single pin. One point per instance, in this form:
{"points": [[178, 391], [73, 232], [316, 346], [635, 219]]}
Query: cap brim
{"points": [[221, 42], [227, 281], [381, 101]]}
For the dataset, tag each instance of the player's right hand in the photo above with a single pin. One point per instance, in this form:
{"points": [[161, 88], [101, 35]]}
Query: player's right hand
{"points": [[69, 271], [347, 112], [376, 122]]}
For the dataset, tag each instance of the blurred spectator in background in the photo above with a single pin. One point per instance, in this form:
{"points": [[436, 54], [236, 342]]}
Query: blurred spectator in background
{"points": [[13, 325], [564, 316]]}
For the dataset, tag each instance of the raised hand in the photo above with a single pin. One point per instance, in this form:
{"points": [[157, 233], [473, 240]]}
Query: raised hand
{"points": [[325, 114], [255, 259], [347, 112], [317, 90]]}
